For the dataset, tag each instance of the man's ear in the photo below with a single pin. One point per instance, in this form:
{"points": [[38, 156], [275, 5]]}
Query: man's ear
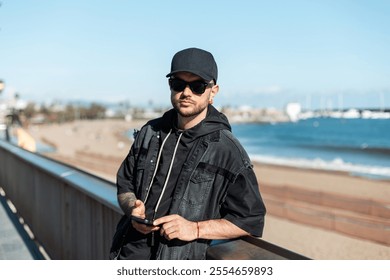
{"points": [[214, 91]]}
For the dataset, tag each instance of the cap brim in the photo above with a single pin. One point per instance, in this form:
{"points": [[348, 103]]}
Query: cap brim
{"points": [[202, 75]]}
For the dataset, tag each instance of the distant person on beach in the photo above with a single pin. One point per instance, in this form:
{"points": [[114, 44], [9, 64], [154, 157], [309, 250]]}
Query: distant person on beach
{"points": [[186, 180]]}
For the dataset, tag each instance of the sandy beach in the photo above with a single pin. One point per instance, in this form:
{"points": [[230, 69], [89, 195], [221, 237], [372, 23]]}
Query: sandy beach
{"points": [[319, 214]]}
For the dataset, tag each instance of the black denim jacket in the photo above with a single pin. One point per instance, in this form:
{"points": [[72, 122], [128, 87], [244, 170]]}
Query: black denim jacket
{"points": [[214, 164]]}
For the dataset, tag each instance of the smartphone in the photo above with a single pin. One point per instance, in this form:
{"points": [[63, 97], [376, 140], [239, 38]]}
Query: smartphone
{"points": [[142, 221]]}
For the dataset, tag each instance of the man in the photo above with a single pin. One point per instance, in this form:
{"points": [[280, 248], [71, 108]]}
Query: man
{"points": [[187, 174]]}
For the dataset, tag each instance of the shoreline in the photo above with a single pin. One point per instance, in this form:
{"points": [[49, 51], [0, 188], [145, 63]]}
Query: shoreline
{"points": [[289, 192], [363, 171]]}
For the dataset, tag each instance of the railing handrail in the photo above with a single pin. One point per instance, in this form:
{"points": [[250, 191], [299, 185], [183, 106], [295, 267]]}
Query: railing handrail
{"points": [[70, 174]]}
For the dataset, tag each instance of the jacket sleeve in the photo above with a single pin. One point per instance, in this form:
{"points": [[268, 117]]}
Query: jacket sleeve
{"points": [[243, 205], [126, 173]]}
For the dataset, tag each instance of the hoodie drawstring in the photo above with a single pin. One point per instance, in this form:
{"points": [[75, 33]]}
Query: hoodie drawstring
{"points": [[168, 175], [157, 163]]}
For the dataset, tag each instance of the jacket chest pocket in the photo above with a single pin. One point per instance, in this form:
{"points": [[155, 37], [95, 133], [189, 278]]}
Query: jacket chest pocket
{"points": [[197, 193]]}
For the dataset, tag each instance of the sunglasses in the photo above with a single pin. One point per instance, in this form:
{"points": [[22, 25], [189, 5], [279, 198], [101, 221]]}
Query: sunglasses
{"points": [[179, 85]]}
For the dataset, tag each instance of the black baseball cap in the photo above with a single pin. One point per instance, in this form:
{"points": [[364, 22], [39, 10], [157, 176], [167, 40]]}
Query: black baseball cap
{"points": [[195, 61]]}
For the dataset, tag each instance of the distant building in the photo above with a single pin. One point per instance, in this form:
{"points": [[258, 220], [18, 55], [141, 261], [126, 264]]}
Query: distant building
{"points": [[293, 110]]}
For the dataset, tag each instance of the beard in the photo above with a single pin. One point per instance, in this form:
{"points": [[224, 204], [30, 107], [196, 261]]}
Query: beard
{"points": [[190, 109]]}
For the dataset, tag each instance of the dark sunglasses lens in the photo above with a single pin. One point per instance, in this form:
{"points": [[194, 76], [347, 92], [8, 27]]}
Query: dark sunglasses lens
{"points": [[198, 87], [178, 85]]}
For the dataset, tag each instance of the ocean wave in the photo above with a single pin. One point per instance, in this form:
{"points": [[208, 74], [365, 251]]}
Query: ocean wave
{"points": [[337, 164], [362, 149]]}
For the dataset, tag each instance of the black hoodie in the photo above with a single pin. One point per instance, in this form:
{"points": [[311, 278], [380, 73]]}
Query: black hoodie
{"points": [[187, 138]]}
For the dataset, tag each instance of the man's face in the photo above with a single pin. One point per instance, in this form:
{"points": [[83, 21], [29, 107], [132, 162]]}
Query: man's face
{"points": [[188, 103]]}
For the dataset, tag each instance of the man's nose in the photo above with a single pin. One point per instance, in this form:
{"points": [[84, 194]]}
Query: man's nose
{"points": [[187, 90]]}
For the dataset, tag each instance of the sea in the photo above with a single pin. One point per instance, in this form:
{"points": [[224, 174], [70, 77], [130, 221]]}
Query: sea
{"points": [[358, 146]]}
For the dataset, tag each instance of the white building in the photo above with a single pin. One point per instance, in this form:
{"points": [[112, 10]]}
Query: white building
{"points": [[293, 110]]}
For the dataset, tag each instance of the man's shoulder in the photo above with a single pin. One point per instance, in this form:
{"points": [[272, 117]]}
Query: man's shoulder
{"points": [[228, 135], [154, 125], [162, 121], [231, 142]]}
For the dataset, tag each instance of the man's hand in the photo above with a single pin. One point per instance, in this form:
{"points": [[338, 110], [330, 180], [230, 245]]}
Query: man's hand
{"points": [[139, 211], [175, 226]]}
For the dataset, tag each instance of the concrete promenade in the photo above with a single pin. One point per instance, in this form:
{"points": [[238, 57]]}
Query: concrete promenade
{"points": [[15, 242]]}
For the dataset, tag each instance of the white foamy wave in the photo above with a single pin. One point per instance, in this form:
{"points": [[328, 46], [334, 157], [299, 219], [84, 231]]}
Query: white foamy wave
{"points": [[335, 165]]}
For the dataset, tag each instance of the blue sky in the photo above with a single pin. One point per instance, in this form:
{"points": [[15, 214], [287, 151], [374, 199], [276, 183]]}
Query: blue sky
{"points": [[331, 53]]}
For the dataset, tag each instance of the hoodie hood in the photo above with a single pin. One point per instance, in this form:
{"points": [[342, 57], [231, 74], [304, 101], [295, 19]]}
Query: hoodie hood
{"points": [[214, 121]]}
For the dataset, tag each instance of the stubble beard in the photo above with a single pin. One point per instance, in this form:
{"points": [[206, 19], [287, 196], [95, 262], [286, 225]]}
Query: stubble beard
{"points": [[189, 113], [195, 110]]}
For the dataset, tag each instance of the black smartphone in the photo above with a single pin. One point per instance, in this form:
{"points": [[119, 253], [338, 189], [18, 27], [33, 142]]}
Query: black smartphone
{"points": [[142, 221]]}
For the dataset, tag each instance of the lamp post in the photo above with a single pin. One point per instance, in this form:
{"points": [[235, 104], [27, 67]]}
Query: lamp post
{"points": [[2, 86], [7, 136]]}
